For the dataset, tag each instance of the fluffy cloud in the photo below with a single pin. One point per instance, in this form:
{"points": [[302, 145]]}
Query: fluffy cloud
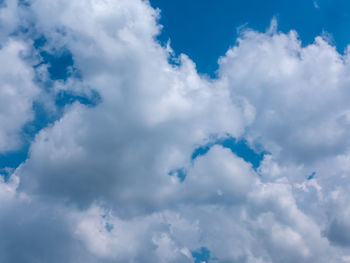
{"points": [[17, 93], [99, 183], [302, 117], [147, 123], [299, 94]]}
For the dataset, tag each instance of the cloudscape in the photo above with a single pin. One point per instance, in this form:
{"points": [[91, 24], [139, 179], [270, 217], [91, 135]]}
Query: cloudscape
{"points": [[117, 146]]}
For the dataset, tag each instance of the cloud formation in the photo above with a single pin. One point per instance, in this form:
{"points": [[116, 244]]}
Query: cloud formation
{"points": [[98, 185], [17, 94]]}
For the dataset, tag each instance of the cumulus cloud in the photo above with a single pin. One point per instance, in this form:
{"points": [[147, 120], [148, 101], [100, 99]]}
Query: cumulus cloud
{"points": [[148, 121], [299, 94], [99, 183], [17, 93]]}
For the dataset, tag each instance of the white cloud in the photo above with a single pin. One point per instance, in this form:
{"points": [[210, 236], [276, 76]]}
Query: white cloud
{"points": [[96, 186], [9, 19], [299, 94], [149, 119], [17, 93]]}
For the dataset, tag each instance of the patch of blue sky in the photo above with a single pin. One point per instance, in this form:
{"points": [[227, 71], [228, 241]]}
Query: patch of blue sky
{"points": [[65, 97], [11, 160], [204, 30], [109, 227], [311, 176], [60, 65], [201, 255], [23, 2], [60, 62], [180, 173], [238, 147]]}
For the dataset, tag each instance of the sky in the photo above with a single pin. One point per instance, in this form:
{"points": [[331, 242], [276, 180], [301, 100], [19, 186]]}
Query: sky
{"points": [[174, 131], [204, 30]]}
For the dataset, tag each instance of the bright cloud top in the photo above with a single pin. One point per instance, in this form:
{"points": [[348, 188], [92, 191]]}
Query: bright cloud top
{"points": [[111, 178]]}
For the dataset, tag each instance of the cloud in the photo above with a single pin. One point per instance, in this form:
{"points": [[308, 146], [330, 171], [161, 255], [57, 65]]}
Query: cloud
{"points": [[97, 184], [147, 123], [299, 94], [9, 18], [17, 94]]}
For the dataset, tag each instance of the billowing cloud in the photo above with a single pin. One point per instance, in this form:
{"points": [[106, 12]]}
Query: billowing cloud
{"points": [[101, 184], [17, 94], [299, 93]]}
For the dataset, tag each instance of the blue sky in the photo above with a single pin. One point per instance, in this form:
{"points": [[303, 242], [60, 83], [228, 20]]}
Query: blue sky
{"points": [[204, 30], [233, 148]]}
